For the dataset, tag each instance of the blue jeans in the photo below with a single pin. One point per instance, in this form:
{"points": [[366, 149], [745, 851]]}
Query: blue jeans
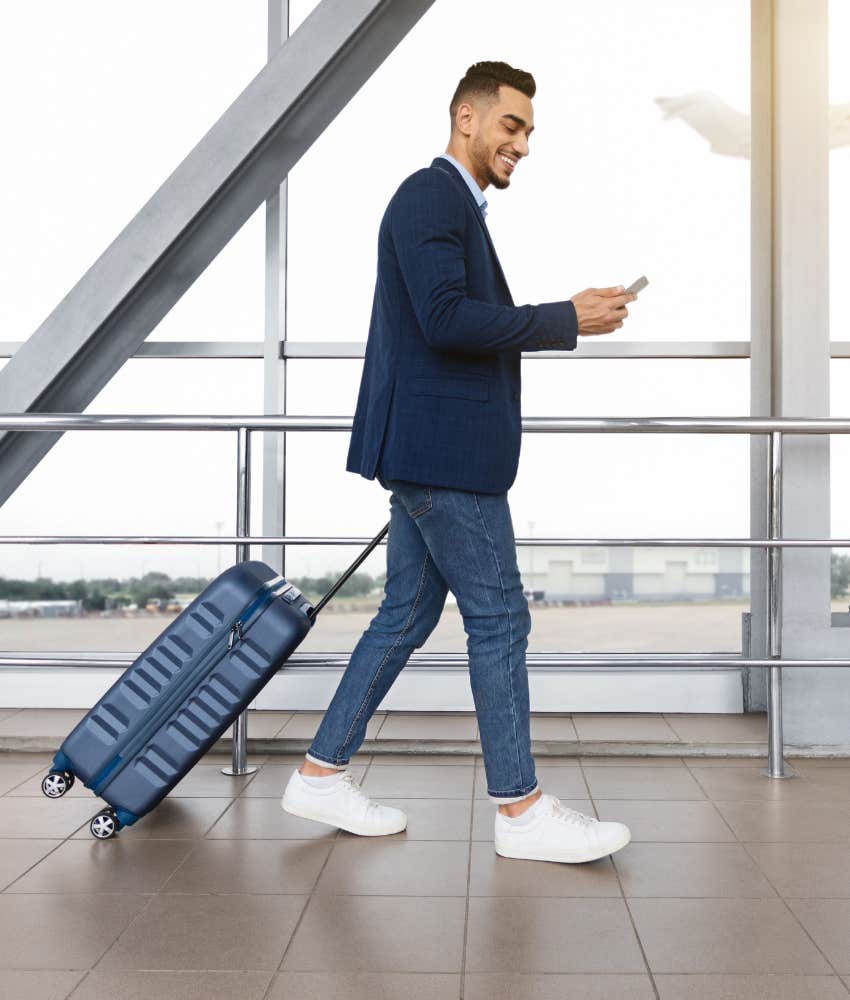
{"points": [[443, 539]]}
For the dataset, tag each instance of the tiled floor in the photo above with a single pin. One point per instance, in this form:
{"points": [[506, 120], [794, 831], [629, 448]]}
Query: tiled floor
{"points": [[734, 887]]}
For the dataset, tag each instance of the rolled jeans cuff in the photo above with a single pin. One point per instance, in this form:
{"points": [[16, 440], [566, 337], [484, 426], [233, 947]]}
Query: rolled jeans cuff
{"points": [[504, 800], [325, 763]]}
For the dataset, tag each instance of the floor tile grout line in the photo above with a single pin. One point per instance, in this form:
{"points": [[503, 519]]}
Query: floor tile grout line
{"points": [[461, 986], [30, 777], [218, 819], [769, 881], [714, 803], [407, 895], [309, 896], [283, 725], [143, 909], [35, 864], [195, 842], [273, 975], [723, 819], [62, 842], [625, 901], [794, 916], [695, 779], [77, 985]]}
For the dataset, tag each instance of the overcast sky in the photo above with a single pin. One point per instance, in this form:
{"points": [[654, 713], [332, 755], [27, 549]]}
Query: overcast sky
{"points": [[101, 102]]}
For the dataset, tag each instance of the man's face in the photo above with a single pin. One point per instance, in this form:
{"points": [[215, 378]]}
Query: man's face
{"points": [[498, 138]]}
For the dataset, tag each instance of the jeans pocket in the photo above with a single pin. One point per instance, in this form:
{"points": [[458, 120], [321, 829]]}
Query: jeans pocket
{"points": [[424, 496], [415, 497]]}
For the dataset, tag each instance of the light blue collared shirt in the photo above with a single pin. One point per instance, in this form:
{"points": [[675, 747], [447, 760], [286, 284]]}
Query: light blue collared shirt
{"points": [[471, 183]]}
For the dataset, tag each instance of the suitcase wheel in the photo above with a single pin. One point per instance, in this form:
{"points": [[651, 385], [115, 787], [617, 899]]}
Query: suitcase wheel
{"points": [[57, 783], [105, 825]]}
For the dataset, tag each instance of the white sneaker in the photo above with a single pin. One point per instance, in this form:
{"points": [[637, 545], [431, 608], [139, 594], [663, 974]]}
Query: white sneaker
{"points": [[558, 833], [342, 804]]}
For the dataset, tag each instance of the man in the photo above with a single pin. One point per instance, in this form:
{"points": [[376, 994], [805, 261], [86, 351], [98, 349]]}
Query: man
{"points": [[438, 422]]}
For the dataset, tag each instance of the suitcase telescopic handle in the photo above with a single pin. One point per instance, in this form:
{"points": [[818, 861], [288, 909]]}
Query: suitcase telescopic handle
{"points": [[312, 612]]}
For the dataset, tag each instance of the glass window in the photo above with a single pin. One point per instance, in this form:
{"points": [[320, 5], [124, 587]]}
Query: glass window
{"points": [[609, 485], [639, 164], [227, 301], [112, 104], [839, 481], [839, 168], [140, 482]]}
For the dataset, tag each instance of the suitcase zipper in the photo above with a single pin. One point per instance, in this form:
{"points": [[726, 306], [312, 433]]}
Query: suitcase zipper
{"points": [[235, 633], [267, 593]]}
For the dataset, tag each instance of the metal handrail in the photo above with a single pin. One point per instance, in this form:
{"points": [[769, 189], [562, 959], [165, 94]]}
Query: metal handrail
{"points": [[774, 427], [429, 661], [801, 543], [254, 422]]}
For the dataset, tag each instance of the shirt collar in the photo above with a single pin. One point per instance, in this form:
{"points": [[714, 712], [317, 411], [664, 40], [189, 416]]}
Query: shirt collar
{"points": [[471, 182]]}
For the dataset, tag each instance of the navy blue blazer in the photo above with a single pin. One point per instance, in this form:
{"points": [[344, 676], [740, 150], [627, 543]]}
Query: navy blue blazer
{"points": [[439, 399]]}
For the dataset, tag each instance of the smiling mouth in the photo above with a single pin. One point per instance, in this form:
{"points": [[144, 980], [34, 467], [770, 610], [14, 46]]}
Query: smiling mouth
{"points": [[508, 161]]}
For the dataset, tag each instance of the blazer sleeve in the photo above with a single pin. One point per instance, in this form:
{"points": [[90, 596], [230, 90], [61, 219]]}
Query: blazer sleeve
{"points": [[427, 223]]}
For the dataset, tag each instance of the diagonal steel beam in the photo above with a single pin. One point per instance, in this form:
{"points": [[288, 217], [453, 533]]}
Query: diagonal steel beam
{"points": [[238, 164]]}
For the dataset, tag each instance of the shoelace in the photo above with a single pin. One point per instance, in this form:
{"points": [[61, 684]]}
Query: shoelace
{"points": [[570, 815], [350, 780]]}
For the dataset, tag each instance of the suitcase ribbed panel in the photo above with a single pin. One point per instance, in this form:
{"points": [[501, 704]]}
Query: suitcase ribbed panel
{"points": [[251, 658], [182, 650], [107, 724], [160, 668], [156, 768], [227, 681], [202, 718], [183, 736], [178, 697], [206, 623], [214, 611], [138, 696], [212, 706]]}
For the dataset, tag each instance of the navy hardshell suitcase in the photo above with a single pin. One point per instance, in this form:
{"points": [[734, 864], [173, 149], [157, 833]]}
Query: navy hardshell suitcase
{"points": [[178, 697]]}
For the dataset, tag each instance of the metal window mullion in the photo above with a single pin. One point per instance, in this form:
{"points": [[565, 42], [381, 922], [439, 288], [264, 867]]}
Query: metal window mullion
{"points": [[239, 752], [274, 354], [776, 750]]}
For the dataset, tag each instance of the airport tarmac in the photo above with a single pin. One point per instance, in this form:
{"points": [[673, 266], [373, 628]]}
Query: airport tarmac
{"points": [[682, 627]]}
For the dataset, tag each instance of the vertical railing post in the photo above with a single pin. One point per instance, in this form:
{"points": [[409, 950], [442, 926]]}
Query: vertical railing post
{"points": [[239, 758], [775, 743]]}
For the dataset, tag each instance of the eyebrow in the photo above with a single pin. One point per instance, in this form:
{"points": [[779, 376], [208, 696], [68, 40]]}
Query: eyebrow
{"points": [[520, 121]]}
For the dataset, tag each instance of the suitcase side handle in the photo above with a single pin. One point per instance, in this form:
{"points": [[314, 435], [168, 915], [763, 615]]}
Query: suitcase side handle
{"points": [[312, 612]]}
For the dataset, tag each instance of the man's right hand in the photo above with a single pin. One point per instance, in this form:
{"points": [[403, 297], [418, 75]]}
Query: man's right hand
{"points": [[601, 310]]}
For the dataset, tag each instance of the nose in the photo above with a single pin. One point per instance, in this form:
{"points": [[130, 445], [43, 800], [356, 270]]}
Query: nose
{"points": [[521, 146]]}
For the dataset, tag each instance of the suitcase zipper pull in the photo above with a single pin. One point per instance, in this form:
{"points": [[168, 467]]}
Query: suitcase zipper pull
{"points": [[235, 633]]}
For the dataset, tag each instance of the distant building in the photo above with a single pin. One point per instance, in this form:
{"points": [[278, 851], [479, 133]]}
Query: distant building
{"points": [[621, 573], [40, 609]]}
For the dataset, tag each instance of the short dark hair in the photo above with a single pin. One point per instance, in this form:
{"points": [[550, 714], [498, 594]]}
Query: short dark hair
{"points": [[483, 79]]}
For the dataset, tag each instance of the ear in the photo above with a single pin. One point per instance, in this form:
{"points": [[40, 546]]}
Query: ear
{"points": [[464, 118]]}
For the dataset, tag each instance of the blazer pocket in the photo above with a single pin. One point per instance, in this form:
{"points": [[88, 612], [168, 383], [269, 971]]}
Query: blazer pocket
{"points": [[460, 388]]}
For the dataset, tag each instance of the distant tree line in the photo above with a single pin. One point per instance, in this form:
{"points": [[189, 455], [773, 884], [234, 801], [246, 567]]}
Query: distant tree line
{"points": [[108, 593], [99, 595]]}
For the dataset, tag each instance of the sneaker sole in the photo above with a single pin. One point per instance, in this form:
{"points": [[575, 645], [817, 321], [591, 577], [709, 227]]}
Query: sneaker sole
{"points": [[568, 857], [351, 828]]}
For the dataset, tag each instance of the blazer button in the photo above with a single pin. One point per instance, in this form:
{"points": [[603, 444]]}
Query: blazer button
{"points": [[516, 395]]}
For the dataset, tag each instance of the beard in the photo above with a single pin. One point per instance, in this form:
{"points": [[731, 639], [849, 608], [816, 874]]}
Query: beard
{"points": [[481, 156]]}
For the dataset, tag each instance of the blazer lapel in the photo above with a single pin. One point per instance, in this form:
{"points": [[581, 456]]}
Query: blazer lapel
{"points": [[449, 168]]}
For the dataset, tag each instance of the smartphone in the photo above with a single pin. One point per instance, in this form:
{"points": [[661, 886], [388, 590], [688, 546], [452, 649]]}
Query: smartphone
{"points": [[641, 283]]}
